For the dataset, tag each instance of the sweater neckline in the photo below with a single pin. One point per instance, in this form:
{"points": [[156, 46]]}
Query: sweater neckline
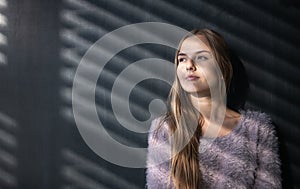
{"points": [[234, 130]]}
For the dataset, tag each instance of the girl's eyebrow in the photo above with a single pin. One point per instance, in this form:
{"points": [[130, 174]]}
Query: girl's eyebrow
{"points": [[183, 54]]}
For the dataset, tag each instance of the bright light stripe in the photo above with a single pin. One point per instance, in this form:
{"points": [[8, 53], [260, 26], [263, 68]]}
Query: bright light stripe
{"points": [[7, 121], [86, 7], [135, 11], [94, 127], [7, 139], [8, 159], [85, 165], [3, 59], [81, 24], [70, 173], [3, 3], [3, 20], [71, 37], [7, 178], [3, 39], [66, 94]]}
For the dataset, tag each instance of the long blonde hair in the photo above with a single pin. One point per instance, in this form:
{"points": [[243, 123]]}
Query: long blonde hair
{"points": [[185, 168]]}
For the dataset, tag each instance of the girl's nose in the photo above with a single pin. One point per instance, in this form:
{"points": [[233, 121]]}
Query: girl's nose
{"points": [[190, 65]]}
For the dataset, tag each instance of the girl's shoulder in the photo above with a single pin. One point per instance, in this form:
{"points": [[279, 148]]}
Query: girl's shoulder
{"points": [[159, 129], [257, 121], [256, 116]]}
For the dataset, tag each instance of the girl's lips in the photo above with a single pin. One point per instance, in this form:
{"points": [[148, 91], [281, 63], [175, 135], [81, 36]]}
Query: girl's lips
{"points": [[192, 78]]}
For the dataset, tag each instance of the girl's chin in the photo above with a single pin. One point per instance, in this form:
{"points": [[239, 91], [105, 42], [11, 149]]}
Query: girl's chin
{"points": [[199, 92]]}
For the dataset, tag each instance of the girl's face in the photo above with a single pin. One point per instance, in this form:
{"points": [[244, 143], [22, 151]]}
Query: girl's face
{"points": [[193, 70]]}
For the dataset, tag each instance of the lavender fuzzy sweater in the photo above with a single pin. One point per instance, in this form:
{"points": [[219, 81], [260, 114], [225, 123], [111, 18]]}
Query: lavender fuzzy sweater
{"points": [[245, 158]]}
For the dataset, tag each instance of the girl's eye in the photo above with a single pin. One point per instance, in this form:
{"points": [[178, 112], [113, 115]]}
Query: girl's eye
{"points": [[181, 59], [201, 58]]}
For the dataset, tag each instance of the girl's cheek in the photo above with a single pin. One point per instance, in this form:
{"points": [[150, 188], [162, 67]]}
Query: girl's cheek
{"points": [[178, 72]]}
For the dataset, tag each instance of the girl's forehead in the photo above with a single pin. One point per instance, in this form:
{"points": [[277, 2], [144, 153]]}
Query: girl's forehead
{"points": [[194, 44]]}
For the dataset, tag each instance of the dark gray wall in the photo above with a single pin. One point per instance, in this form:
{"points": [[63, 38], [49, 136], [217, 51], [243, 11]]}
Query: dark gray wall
{"points": [[40, 146]]}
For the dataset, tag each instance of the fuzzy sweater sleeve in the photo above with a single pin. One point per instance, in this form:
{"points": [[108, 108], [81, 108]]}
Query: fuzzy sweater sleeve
{"points": [[268, 174], [158, 158]]}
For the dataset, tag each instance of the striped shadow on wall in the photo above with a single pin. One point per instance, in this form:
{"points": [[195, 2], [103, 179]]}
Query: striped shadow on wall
{"points": [[8, 125]]}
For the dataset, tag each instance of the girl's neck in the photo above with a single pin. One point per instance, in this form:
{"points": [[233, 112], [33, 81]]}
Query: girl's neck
{"points": [[203, 104]]}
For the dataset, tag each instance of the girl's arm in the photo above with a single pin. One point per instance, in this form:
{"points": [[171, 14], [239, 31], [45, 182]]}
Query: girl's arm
{"points": [[157, 174], [268, 174]]}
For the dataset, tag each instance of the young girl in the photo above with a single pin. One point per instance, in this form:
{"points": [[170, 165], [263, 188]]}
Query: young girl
{"points": [[201, 142]]}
